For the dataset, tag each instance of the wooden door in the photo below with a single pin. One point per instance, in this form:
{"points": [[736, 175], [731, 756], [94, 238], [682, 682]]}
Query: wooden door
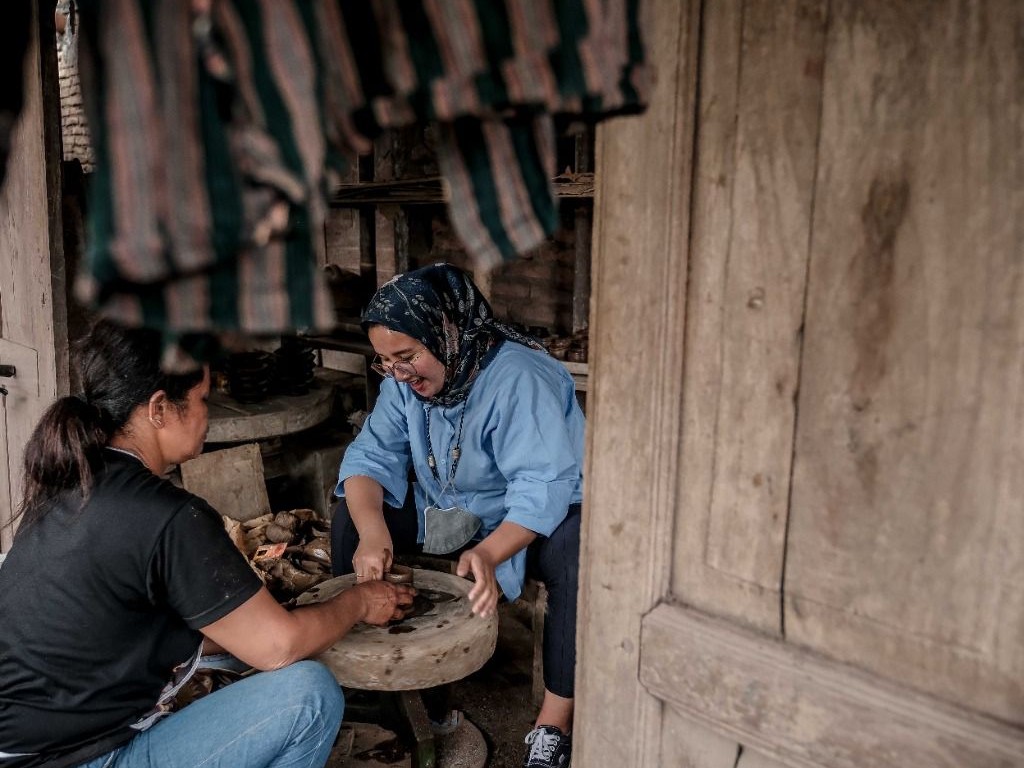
{"points": [[803, 539], [33, 307]]}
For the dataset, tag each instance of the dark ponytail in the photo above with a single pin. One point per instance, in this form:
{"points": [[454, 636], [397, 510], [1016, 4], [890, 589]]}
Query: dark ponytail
{"points": [[65, 450], [120, 370]]}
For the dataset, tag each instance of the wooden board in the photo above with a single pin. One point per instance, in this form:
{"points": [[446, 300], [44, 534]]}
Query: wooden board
{"points": [[688, 744], [760, 96], [906, 542], [230, 480], [441, 646], [33, 309], [805, 711]]}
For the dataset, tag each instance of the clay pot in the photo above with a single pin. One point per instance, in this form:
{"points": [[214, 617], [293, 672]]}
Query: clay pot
{"points": [[399, 574]]}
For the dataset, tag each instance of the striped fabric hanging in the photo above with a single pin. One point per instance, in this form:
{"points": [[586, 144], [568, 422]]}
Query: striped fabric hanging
{"points": [[219, 128]]}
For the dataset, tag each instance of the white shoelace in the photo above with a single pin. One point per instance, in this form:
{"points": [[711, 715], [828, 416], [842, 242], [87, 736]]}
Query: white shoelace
{"points": [[542, 744]]}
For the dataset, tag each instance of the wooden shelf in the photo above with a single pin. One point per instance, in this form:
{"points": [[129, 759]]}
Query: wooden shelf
{"points": [[433, 190], [232, 422], [576, 368], [579, 371], [353, 341], [356, 341]]}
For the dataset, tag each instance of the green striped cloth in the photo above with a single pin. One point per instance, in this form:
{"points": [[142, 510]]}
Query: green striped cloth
{"points": [[219, 128]]}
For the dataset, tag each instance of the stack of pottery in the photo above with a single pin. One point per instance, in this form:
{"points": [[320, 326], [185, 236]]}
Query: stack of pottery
{"points": [[251, 376], [296, 361]]}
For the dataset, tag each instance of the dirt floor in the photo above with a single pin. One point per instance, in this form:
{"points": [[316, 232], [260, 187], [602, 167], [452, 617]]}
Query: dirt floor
{"points": [[496, 699]]}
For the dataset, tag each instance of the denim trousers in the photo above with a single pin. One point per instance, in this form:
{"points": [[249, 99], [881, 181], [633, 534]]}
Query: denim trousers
{"points": [[287, 718]]}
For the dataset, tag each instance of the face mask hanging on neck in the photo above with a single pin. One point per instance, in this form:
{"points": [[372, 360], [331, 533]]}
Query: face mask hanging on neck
{"points": [[449, 529]]}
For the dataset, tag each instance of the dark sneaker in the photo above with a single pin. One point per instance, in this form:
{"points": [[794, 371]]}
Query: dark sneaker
{"points": [[549, 748]]}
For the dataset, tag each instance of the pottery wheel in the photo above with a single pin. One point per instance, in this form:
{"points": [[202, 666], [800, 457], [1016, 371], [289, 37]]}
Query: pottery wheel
{"points": [[441, 643]]}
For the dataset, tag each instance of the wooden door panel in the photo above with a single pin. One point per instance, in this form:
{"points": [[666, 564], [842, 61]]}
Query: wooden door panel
{"points": [[760, 92], [24, 385], [906, 535], [33, 311], [18, 411], [685, 743]]}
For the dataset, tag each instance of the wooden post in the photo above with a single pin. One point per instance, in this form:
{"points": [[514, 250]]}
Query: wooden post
{"points": [[583, 226], [641, 216]]}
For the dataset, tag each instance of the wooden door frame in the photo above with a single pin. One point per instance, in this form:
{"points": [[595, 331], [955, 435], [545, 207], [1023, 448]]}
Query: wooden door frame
{"points": [[634, 411], [33, 318]]}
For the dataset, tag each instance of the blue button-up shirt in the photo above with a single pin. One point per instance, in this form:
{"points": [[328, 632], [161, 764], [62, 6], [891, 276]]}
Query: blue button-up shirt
{"points": [[521, 451]]}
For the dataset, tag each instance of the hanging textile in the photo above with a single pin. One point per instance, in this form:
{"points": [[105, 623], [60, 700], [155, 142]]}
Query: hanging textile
{"points": [[219, 127]]}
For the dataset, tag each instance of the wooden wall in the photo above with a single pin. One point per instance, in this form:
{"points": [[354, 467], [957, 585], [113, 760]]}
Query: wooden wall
{"points": [[33, 309], [906, 542], [803, 536]]}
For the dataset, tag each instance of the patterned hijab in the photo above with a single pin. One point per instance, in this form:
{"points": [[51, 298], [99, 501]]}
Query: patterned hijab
{"points": [[441, 308]]}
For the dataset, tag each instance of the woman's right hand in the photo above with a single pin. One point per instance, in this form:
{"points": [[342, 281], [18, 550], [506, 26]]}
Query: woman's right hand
{"points": [[372, 558], [383, 601]]}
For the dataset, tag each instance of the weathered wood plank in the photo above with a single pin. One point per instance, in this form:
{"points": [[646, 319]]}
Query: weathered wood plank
{"points": [[906, 543], [686, 743], [32, 287], [391, 243], [760, 95], [230, 480], [584, 227], [581, 269], [636, 336], [749, 758], [19, 412], [431, 190], [6, 505], [805, 711]]}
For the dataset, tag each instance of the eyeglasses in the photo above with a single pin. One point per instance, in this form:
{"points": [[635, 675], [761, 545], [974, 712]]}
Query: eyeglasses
{"points": [[404, 367]]}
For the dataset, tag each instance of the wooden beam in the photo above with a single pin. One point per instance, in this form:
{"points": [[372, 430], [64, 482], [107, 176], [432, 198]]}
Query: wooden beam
{"points": [[430, 189], [804, 710]]}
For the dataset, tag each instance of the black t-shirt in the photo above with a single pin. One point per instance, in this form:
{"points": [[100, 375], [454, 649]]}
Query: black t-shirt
{"points": [[99, 603]]}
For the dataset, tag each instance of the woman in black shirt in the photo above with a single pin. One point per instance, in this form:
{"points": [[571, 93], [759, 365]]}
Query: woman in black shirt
{"points": [[117, 581]]}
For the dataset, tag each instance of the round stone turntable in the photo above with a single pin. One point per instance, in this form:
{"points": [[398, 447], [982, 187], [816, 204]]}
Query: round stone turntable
{"points": [[440, 642]]}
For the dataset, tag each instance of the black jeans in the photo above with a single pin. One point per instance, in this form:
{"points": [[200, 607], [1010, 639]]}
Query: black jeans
{"points": [[552, 559]]}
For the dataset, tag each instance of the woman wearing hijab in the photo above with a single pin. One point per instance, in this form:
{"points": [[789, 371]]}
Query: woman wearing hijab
{"points": [[490, 427]]}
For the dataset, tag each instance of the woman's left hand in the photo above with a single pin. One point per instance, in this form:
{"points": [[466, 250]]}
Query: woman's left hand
{"points": [[485, 592]]}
